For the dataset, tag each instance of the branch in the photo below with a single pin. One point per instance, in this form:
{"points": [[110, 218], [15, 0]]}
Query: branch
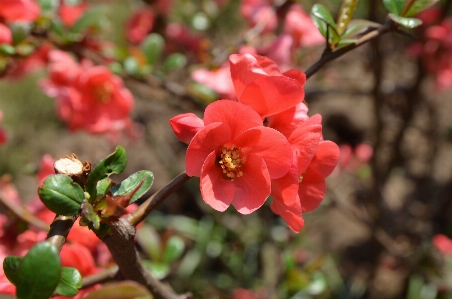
{"points": [[100, 277], [157, 198], [330, 56], [22, 213], [59, 229]]}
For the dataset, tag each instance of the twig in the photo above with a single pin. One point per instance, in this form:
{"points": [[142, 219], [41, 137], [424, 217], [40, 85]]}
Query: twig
{"points": [[152, 202], [329, 55], [22, 213], [59, 229], [100, 277]]}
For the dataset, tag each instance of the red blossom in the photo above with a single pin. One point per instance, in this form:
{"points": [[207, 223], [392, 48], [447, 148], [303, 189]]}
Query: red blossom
{"points": [[236, 157], [218, 80], [140, 25], [3, 137], [19, 10], [443, 243], [6, 36], [259, 11], [260, 84], [299, 25], [69, 14], [88, 97], [185, 126]]}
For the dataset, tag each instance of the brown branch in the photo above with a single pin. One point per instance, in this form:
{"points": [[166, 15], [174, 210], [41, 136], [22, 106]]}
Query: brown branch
{"points": [[59, 229], [100, 277], [22, 213], [329, 55], [158, 197]]}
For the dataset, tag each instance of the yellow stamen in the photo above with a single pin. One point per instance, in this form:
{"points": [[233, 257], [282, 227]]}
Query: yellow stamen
{"points": [[231, 159]]}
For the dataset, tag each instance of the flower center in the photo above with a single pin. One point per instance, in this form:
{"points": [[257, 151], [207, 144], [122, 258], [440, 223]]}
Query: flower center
{"points": [[103, 92], [231, 160]]}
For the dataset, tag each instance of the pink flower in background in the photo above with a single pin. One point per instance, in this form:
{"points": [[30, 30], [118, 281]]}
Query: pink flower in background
{"points": [[299, 25], [140, 25], [280, 51], [181, 38], [88, 97], [352, 158], [69, 14], [6, 36], [235, 157], [218, 80], [259, 11], [3, 137], [443, 243], [19, 10]]}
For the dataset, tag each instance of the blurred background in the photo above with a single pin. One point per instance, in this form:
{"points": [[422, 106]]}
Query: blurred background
{"points": [[381, 231]]}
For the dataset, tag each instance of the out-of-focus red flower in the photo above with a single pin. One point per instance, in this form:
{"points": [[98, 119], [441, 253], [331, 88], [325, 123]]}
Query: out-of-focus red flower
{"points": [[218, 80], [236, 157], [19, 10], [299, 25], [3, 137], [280, 51], [185, 126], [260, 84], [247, 294], [180, 37], [6, 36], [94, 99], [259, 11], [78, 256], [140, 25], [443, 243], [69, 14], [352, 158]]}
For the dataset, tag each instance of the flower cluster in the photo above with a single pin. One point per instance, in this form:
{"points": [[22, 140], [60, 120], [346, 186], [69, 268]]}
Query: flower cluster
{"points": [[88, 97], [260, 145]]}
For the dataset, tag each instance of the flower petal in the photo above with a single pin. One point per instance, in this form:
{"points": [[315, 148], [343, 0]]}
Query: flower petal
{"points": [[297, 75], [268, 144], [287, 121], [185, 126], [244, 70], [207, 140], [305, 140], [253, 188], [292, 214], [236, 116], [311, 190], [326, 157], [216, 191]]}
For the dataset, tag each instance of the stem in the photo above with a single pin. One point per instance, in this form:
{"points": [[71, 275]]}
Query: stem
{"points": [[100, 277], [22, 213], [329, 55], [59, 229], [157, 198]]}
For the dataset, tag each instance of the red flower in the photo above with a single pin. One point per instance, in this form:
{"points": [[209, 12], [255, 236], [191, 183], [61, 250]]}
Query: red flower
{"points": [[3, 137], [19, 10], [140, 25], [6, 36], [218, 80], [260, 84], [256, 11], [185, 126], [299, 25], [236, 157], [89, 98], [443, 243], [69, 14]]}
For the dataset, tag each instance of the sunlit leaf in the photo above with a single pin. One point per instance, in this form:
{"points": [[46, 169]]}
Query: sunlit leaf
{"points": [[61, 195], [70, 282], [345, 15], [419, 6], [405, 22], [152, 47], [394, 6], [143, 177], [173, 249]]}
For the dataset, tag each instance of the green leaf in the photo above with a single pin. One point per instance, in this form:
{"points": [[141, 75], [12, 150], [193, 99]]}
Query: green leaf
{"points": [[152, 47], [61, 195], [174, 62], [345, 14], [39, 272], [173, 250], [321, 13], [19, 31], [70, 282], [120, 290], [419, 6], [202, 92], [7, 49], [49, 7], [149, 241], [103, 186], [158, 270], [346, 42], [394, 6], [89, 215], [131, 65], [113, 164], [405, 22], [10, 267], [143, 177], [90, 18], [357, 26]]}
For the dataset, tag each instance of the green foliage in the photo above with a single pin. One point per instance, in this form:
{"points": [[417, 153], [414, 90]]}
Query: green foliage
{"points": [[152, 47], [405, 22], [39, 272], [174, 62], [394, 6], [61, 195], [20, 31], [11, 267], [345, 14], [121, 290], [70, 282], [113, 164], [418, 6], [325, 23], [91, 18], [142, 179]]}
